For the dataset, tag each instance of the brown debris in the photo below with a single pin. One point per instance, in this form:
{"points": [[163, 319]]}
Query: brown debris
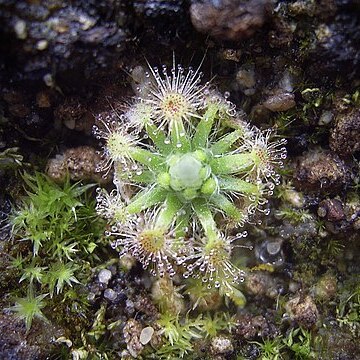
{"points": [[331, 209], [303, 311], [322, 171], [75, 115], [80, 163], [251, 327], [345, 136], [132, 331]]}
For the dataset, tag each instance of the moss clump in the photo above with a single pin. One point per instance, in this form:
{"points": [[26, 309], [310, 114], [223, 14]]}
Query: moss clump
{"points": [[56, 232]]}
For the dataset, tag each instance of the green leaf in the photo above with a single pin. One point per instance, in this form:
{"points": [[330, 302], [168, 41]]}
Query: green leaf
{"points": [[222, 203], [146, 199], [225, 143], [232, 164], [203, 129]]}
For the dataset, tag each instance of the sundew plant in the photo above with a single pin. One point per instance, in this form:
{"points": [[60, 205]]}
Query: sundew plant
{"points": [[184, 162]]}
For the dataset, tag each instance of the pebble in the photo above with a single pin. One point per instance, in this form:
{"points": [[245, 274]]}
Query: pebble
{"points": [[280, 102], [326, 118], [221, 345], [344, 137], [42, 45], [323, 171], [80, 163], [232, 20], [302, 310], [104, 276], [246, 78], [146, 335], [20, 29], [110, 294]]}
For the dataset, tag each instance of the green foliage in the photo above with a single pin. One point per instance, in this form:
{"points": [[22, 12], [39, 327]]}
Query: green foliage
{"points": [[61, 227], [48, 215], [296, 345], [298, 342], [352, 99], [10, 159], [201, 295], [348, 309], [294, 216], [180, 335], [270, 348], [192, 160], [29, 308], [32, 272], [60, 274], [221, 321], [334, 248]]}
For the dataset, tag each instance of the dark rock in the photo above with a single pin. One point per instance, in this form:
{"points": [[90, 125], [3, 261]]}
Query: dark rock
{"points": [[340, 344], [155, 8], [162, 21], [229, 19], [331, 209], [337, 50], [58, 35], [252, 327], [321, 171], [145, 305], [281, 34], [344, 138], [303, 310]]}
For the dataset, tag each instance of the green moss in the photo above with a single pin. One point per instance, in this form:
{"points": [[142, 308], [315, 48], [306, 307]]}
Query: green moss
{"points": [[297, 344], [30, 308], [181, 335], [56, 232]]}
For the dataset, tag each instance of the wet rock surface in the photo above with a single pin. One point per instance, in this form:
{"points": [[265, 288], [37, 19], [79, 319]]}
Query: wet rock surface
{"points": [[303, 310], [254, 327], [53, 33], [344, 137], [228, 19], [15, 343], [322, 171], [79, 163]]}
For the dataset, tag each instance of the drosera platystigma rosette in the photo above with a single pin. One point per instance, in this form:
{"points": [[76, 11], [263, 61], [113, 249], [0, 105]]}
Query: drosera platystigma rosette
{"points": [[193, 160]]}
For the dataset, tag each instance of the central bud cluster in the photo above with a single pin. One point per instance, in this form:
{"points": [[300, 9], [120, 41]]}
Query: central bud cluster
{"points": [[188, 174]]}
